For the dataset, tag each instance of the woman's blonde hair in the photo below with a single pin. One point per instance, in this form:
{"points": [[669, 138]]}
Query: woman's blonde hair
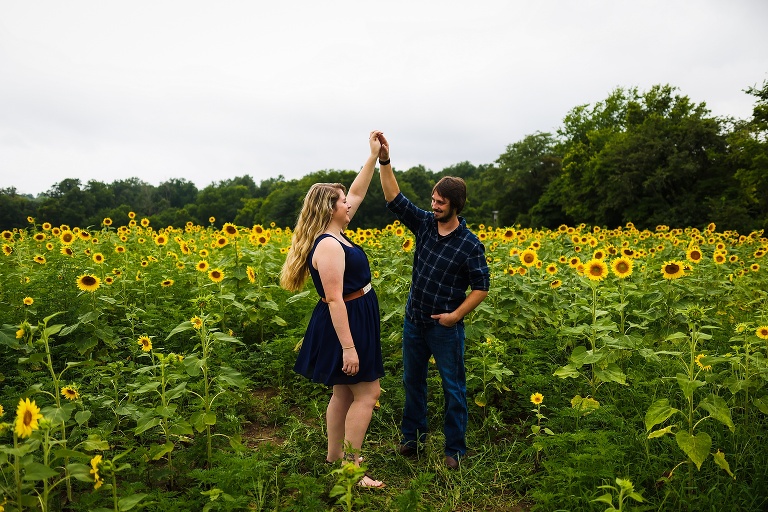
{"points": [[316, 212]]}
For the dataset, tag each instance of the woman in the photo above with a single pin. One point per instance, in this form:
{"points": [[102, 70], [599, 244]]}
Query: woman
{"points": [[342, 345]]}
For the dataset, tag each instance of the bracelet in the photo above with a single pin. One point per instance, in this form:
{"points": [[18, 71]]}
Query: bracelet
{"points": [[345, 348], [384, 162]]}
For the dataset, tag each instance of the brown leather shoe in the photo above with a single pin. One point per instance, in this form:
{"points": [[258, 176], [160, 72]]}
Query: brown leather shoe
{"points": [[407, 450], [451, 463]]}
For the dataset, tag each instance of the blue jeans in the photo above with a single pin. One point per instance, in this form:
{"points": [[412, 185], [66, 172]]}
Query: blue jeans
{"points": [[447, 345]]}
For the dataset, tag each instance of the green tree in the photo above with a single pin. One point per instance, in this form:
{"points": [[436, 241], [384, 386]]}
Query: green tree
{"points": [[521, 176], [748, 156], [651, 158]]}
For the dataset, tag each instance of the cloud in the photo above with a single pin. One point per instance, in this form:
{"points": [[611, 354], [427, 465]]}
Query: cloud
{"points": [[206, 92]]}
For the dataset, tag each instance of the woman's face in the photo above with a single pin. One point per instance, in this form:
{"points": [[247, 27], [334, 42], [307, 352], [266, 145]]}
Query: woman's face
{"points": [[341, 209]]}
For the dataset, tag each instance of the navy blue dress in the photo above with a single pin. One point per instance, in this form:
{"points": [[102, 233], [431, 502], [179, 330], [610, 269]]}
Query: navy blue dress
{"points": [[320, 356]]}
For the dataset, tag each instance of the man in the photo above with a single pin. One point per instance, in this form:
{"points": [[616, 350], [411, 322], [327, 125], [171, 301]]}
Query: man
{"points": [[448, 259]]}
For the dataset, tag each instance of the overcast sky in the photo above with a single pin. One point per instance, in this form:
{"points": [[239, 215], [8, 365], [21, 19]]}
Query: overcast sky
{"points": [[208, 91]]}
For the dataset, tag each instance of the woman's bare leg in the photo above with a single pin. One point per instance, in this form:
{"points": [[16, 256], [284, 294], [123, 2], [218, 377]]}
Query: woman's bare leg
{"points": [[335, 417]]}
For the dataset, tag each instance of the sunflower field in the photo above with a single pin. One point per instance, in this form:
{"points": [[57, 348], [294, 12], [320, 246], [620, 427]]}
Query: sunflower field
{"points": [[147, 368]]}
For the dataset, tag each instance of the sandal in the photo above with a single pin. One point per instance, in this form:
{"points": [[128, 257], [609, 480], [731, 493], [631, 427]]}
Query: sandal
{"points": [[371, 484]]}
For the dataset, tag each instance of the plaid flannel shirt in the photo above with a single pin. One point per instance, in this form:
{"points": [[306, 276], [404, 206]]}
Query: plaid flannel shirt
{"points": [[443, 266]]}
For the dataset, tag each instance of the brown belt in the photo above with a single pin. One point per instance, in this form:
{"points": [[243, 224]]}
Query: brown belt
{"points": [[351, 296]]}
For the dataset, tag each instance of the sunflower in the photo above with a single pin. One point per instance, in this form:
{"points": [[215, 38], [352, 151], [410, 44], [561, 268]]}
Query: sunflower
{"points": [[262, 240], [202, 266], [694, 255], [28, 301], [70, 393], [67, 237], [145, 343], [537, 398], [528, 257], [551, 269], [39, 237], [167, 283], [574, 262], [196, 321], [98, 258], [599, 254], [229, 229], [622, 267], [627, 252], [108, 280], [221, 241], [762, 332], [95, 461], [673, 269], [555, 284], [257, 229], [719, 258], [131, 215], [67, 251], [31, 220], [407, 244], [754, 267], [216, 275], [508, 235], [596, 270], [39, 258], [49, 246], [88, 282], [84, 235], [27, 414], [211, 219], [251, 273], [733, 258], [700, 364], [145, 222], [107, 221], [161, 240], [7, 249]]}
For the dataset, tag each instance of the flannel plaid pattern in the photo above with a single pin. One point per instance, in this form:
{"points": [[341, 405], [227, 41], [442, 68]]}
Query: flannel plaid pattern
{"points": [[443, 266]]}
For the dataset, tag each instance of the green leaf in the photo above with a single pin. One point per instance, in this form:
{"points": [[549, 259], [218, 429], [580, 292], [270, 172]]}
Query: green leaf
{"points": [[696, 447], [298, 296], [146, 423], [197, 421], [761, 404], [659, 412], [279, 321], [661, 432], [158, 451], [183, 326], [82, 417], [611, 374], [567, 371], [81, 472], [578, 356], [720, 461], [688, 386], [719, 410], [605, 498], [149, 386], [209, 418], [37, 471], [130, 501]]}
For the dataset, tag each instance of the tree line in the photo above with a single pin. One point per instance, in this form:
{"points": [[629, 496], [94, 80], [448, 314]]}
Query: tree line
{"points": [[650, 158]]}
